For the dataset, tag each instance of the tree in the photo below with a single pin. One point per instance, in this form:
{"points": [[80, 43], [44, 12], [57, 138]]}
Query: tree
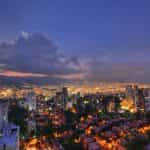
{"points": [[73, 146], [45, 130], [137, 144]]}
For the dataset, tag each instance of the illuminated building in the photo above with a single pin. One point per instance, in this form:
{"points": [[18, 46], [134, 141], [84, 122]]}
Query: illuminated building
{"points": [[9, 133], [59, 99], [129, 91], [140, 100], [147, 101], [65, 96], [74, 98], [29, 102], [3, 113], [147, 104], [111, 106], [62, 98], [10, 137], [128, 105], [136, 94], [69, 105]]}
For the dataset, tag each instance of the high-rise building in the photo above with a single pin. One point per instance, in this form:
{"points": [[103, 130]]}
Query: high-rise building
{"points": [[111, 106], [147, 104], [140, 100], [129, 91], [3, 113], [29, 102], [65, 91], [62, 98], [137, 95], [147, 101], [9, 139], [65, 96], [59, 99]]}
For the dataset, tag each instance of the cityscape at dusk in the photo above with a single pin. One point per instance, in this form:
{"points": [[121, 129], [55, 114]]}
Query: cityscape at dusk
{"points": [[74, 75]]}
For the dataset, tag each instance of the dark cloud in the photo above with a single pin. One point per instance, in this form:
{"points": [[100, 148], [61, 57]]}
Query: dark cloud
{"points": [[36, 53]]}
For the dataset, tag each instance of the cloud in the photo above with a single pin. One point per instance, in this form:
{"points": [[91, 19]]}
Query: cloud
{"points": [[35, 55]]}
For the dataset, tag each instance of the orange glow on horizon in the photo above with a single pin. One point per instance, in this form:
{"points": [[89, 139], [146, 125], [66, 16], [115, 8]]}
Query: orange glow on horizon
{"points": [[9, 73]]}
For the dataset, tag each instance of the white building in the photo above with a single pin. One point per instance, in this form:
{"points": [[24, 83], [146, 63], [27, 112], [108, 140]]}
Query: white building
{"points": [[69, 105], [29, 102], [3, 113], [9, 139], [9, 133]]}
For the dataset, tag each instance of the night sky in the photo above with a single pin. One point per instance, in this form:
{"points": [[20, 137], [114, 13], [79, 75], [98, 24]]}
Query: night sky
{"points": [[90, 40]]}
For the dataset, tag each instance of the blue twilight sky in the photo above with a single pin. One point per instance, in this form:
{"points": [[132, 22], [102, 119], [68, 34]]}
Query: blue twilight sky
{"points": [[70, 39]]}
